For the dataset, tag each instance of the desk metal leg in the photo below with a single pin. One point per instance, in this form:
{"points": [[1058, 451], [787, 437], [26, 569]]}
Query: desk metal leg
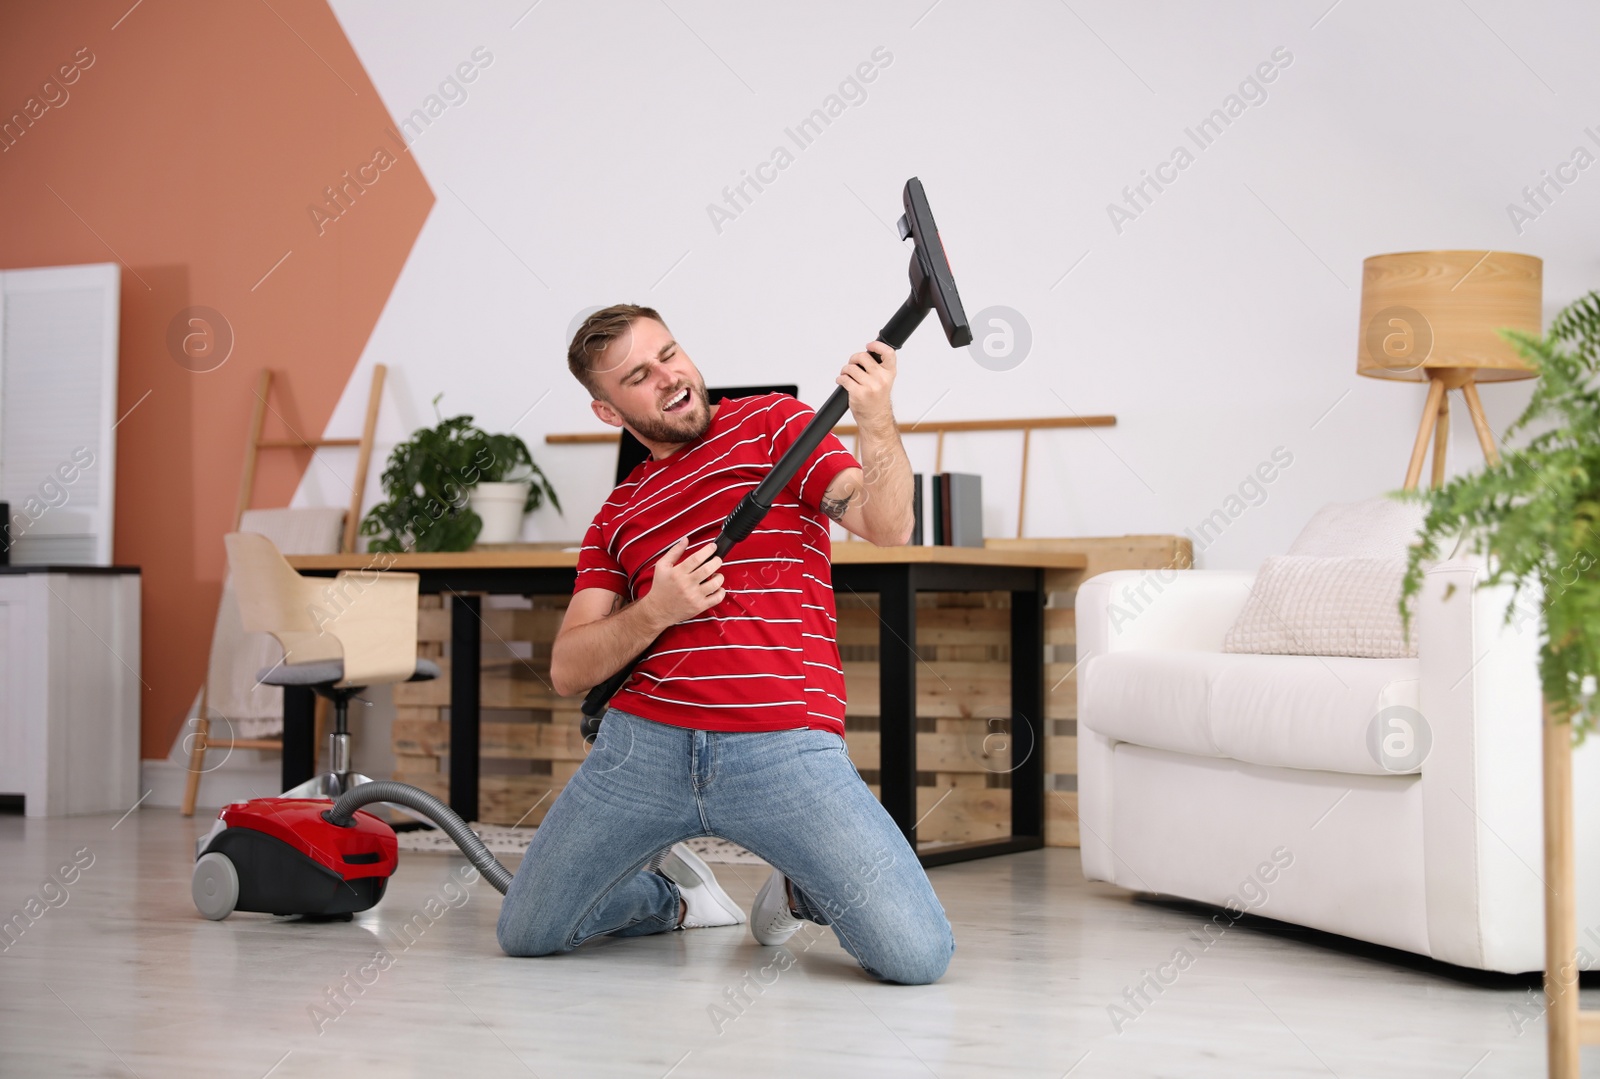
{"points": [[897, 700], [465, 658], [299, 735], [1029, 727], [1028, 731]]}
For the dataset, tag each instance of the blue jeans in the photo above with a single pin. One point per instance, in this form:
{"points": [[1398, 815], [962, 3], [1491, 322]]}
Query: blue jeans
{"points": [[791, 797]]}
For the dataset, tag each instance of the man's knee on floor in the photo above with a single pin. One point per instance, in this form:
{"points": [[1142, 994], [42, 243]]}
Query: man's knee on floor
{"points": [[917, 960], [526, 937]]}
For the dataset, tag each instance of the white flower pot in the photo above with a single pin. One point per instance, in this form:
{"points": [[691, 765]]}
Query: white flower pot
{"points": [[500, 506]]}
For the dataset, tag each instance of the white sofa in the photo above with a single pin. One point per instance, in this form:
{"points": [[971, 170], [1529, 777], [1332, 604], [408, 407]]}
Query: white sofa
{"points": [[1202, 773]]}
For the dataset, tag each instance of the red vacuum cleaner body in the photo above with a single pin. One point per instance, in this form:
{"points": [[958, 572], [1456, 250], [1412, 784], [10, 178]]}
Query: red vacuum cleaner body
{"points": [[283, 856]]}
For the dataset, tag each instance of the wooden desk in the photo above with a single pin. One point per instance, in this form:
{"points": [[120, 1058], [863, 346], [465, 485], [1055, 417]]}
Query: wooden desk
{"points": [[896, 574]]}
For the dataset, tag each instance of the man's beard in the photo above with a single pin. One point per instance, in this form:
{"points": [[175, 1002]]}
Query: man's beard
{"points": [[685, 426]]}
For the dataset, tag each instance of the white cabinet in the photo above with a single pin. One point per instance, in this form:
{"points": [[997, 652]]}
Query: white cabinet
{"points": [[69, 688]]}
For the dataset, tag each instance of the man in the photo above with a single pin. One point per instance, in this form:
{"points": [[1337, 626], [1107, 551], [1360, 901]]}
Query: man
{"points": [[733, 724]]}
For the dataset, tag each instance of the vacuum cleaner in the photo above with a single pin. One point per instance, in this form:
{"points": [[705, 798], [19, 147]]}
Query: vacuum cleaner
{"points": [[325, 858], [318, 858]]}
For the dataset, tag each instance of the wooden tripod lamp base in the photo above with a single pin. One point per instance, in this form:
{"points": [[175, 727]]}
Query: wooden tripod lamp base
{"points": [[1436, 421]]}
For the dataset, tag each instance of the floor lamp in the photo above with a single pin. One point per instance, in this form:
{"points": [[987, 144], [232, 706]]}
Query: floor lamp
{"points": [[1435, 316]]}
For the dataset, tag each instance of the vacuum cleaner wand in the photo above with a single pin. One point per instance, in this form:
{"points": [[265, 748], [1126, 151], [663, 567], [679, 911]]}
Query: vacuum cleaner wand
{"points": [[933, 287]]}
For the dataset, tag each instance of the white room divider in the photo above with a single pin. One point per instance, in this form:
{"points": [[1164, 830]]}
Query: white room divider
{"points": [[58, 399]]}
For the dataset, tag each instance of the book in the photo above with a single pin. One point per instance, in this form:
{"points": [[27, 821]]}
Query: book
{"points": [[916, 509], [963, 509], [944, 508]]}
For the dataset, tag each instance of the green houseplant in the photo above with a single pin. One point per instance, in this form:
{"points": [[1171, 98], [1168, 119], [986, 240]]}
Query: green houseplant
{"points": [[1535, 514], [429, 478]]}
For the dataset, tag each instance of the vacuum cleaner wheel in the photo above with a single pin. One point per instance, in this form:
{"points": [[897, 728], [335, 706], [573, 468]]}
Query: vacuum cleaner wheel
{"points": [[215, 886]]}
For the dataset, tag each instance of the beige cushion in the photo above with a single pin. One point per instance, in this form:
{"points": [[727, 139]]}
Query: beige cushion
{"points": [[1305, 606], [1371, 528], [1337, 591]]}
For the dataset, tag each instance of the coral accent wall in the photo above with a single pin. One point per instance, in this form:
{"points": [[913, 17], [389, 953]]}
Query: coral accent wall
{"points": [[189, 141]]}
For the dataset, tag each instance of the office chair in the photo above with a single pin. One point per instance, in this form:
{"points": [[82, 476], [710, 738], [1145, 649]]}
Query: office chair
{"points": [[339, 636]]}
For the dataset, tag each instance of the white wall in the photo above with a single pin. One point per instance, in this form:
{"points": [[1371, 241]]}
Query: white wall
{"points": [[1219, 325]]}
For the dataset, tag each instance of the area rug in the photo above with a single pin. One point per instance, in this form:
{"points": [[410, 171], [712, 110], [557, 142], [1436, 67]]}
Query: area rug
{"points": [[503, 840]]}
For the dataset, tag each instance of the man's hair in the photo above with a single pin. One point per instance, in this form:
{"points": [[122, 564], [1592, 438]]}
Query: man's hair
{"points": [[597, 332]]}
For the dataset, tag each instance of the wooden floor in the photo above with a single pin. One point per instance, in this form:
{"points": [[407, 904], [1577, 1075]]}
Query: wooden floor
{"points": [[122, 977]]}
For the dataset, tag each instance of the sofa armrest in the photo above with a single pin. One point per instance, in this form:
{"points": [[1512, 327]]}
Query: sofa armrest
{"points": [[1482, 776], [1187, 609]]}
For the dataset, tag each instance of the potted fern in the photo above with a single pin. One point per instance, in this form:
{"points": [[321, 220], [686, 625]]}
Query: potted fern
{"points": [[1535, 515], [432, 484]]}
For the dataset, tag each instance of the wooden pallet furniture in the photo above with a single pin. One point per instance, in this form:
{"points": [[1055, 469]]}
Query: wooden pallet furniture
{"points": [[896, 574], [529, 744], [528, 739]]}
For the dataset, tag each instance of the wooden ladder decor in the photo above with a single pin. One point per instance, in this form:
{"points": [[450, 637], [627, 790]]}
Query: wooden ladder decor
{"points": [[254, 444]]}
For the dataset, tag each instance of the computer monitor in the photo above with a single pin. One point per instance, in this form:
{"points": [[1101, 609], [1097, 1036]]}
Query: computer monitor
{"points": [[630, 451]]}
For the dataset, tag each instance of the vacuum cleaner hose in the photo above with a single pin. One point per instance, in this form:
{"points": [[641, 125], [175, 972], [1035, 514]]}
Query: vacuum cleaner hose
{"points": [[344, 810]]}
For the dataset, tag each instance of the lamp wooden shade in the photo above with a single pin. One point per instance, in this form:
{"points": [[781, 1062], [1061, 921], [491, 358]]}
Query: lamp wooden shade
{"points": [[1435, 316]]}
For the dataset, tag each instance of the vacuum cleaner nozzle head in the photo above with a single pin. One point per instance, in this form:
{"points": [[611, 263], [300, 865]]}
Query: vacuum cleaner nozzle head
{"points": [[930, 268]]}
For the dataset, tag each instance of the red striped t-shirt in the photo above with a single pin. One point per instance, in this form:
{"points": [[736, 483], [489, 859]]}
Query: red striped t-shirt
{"points": [[767, 657]]}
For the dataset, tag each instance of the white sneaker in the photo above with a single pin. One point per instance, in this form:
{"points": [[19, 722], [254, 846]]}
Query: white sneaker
{"points": [[772, 922], [705, 903]]}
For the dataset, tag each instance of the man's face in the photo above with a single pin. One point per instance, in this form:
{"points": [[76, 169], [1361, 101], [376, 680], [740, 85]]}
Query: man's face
{"points": [[652, 388]]}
